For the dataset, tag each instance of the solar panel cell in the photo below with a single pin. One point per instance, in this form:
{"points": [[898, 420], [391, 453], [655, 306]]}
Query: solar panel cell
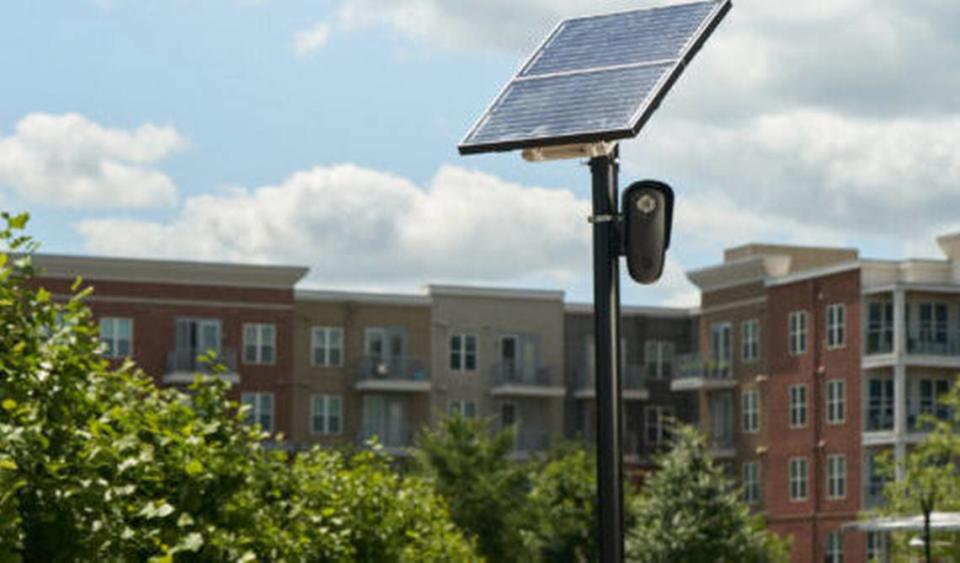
{"points": [[619, 39], [569, 104]]}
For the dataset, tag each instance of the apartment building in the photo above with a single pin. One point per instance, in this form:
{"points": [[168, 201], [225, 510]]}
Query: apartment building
{"points": [[499, 353], [362, 368], [652, 341], [164, 314]]}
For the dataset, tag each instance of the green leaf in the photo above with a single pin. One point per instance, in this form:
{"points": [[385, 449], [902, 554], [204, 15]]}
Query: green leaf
{"points": [[193, 467], [8, 404]]}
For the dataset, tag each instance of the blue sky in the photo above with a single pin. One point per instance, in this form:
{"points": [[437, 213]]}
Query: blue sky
{"points": [[199, 129]]}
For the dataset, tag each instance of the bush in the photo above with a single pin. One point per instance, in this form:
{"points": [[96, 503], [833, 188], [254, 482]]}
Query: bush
{"points": [[96, 463]]}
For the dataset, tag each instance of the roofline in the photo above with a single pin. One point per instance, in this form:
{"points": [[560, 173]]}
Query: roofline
{"points": [[494, 292], [814, 273], [638, 310], [372, 298], [180, 272]]}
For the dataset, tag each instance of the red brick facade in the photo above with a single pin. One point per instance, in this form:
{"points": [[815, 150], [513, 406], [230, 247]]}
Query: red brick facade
{"points": [[809, 521]]}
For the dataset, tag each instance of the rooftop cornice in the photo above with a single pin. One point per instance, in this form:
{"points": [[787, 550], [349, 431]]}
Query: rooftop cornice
{"points": [[373, 298], [494, 292], [139, 270]]}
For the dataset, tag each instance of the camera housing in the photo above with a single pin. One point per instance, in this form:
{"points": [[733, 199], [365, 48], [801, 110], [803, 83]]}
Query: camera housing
{"points": [[647, 210]]}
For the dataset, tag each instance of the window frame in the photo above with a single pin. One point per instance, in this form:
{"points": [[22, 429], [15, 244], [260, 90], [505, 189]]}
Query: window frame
{"points": [[327, 331], [260, 344], [327, 399], [463, 352], [751, 414], [662, 432], [460, 406], [833, 547], [114, 340], [801, 479], [836, 326], [750, 341], [658, 354], [838, 403], [751, 487], [796, 408], [836, 480], [256, 411], [797, 333]]}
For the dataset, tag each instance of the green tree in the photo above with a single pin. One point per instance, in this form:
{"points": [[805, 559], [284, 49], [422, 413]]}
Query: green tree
{"points": [[97, 464], [929, 478], [486, 491], [562, 504], [690, 511]]}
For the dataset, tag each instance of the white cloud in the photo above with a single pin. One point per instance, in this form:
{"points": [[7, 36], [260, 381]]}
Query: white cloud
{"points": [[311, 39], [68, 160], [359, 227]]}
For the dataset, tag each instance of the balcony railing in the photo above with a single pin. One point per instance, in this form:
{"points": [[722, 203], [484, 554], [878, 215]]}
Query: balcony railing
{"points": [[634, 377], [394, 369], [531, 441], [512, 374], [707, 368], [933, 342], [189, 361], [879, 418], [399, 437], [879, 340]]}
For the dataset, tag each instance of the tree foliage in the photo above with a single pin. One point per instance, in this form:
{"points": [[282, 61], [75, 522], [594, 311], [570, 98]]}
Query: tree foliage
{"points": [[96, 463], [929, 477], [690, 511]]}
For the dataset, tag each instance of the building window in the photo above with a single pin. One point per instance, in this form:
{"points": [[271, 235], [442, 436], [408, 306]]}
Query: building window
{"points": [[836, 326], [798, 406], [260, 409], [750, 340], [751, 482], [924, 397], [326, 414], [798, 332], [836, 401], [836, 476], [720, 348], [931, 336], [466, 409], [657, 424], [876, 547], [879, 404], [750, 409], [798, 478], [834, 547], [658, 355], [326, 346], [259, 343], [116, 335], [463, 352], [880, 327]]}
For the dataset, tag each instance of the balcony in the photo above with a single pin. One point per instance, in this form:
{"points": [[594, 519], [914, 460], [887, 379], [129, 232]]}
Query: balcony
{"points": [[392, 375], [634, 378], [933, 347], [722, 447], [511, 380], [697, 373], [395, 440], [528, 442], [184, 365]]}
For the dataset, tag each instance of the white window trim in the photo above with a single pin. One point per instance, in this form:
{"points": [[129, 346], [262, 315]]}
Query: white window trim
{"points": [[463, 352], [744, 341], [663, 412], [259, 344], [255, 410], [657, 348], [326, 399], [755, 393], [842, 326], [461, 405], [842, 478], [830, 554], [790, 405], [842, 401], [806, 479], [756, 480], [801, 330], [114, 320], [327, 330]]}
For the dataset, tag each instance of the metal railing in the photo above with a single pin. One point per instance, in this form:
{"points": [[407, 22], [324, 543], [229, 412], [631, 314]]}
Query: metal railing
{"points": [[393, 369], [879, 417], [933, 342], [401, 437], [693, 365], [512, 374], [634, 377], [189, 360], [531, 441]]}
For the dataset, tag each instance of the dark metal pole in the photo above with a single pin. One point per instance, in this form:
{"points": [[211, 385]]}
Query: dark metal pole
{"points": [[606, 314]]}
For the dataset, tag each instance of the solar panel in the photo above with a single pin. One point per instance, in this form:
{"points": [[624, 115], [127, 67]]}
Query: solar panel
{"points": [[596, 78]]}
